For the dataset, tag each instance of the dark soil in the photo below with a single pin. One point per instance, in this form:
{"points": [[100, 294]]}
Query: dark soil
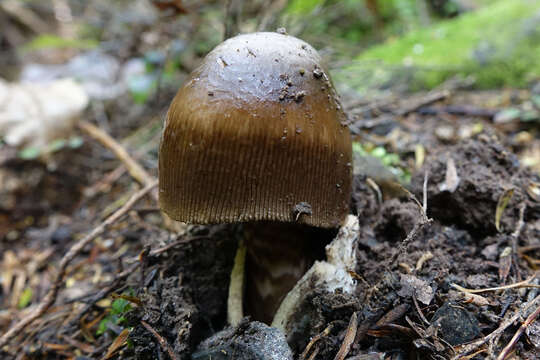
{"points": [[185, 293], [182, 289], [462, 240]]}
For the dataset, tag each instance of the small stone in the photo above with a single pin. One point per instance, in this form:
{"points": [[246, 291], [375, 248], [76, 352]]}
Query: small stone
{"points": [[62, 235], [445, 133], [490, 252], [456, 325], [507, 115], [533, 333], [253, 340]]}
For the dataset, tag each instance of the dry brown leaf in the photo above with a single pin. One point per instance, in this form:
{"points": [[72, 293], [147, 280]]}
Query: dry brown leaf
{"points": [[451, 180], [504, 199], [475, 299], [505, 262], [349, 338], [119, 342]]}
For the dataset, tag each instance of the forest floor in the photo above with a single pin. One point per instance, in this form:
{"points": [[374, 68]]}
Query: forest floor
{"points": [[137, 275]]}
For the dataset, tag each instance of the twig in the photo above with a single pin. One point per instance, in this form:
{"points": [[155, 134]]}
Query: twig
{"points": [[524, 249], [316, 338], [413, 234], [105, 182], [457, 110], [314, 353], [233, 11], [269, 16], [506, 351], [471, 356], [349, 338], [469, 348], [521, 284], [164, 248], [424, 192], [420, 313], [50, 298], [428, 99], [162, 341], [25, 16], [417, 228], [134, 169], [515, 237]]}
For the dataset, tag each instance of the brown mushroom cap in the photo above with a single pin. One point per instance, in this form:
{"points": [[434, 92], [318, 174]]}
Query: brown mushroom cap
{"points": [[256, 133]]}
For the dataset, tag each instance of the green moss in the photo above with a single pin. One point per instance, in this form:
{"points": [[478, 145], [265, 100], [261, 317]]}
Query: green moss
{"points": [[302, 6], [498, 44], [49, 41]]}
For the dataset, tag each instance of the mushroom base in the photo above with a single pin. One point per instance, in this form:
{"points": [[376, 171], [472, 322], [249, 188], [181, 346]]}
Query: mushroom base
{"points": [[278, 254]]}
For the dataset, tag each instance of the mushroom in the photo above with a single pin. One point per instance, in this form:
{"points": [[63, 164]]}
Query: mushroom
{"points": [[257, 136]]}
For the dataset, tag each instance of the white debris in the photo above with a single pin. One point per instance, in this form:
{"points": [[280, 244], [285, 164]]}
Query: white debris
{"points": [[36, 114], [328, 275]]}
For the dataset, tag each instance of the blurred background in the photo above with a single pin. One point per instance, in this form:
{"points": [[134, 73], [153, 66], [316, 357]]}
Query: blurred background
{"points": [[495, 40], [138, 52]]}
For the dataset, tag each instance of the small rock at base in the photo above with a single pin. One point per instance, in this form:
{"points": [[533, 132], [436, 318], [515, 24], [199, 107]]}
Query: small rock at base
{"points": [[247, 341], [457, 325]]}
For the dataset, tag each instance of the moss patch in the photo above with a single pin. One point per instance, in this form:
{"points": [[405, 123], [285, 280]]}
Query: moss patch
{"points": [[498, 44], [50, 41]]}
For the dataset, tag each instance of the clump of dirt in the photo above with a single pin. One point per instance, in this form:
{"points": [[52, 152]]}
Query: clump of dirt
{"points": [[396, 220], [169, 308], [28, 191], [319, 311], [364, 203], [409, 268], [485, 170], [407, 273], [185, 293]]}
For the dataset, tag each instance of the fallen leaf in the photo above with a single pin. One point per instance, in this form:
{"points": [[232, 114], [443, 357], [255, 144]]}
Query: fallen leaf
{"points": [[504, 199], [451, 180], [411, 285], [119, 342]]}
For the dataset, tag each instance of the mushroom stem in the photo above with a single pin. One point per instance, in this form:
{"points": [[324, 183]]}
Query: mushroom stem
{"points": [[278, 254], [235, 307]]}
